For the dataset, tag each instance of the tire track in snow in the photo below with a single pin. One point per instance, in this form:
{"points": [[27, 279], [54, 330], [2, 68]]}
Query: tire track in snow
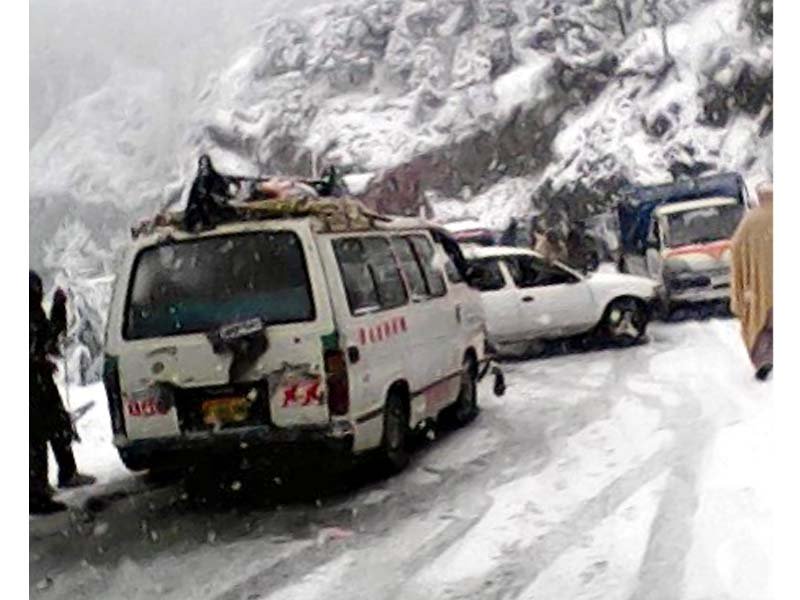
{"points": [[460, 485], [523, 566], [706, 410]]}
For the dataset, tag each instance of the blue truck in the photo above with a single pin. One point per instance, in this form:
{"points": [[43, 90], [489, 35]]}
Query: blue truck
{"points": [[679, 234]]}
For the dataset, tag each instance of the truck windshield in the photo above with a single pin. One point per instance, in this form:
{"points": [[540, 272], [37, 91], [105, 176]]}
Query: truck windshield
{"points": [[199, 285], [703, 225]]}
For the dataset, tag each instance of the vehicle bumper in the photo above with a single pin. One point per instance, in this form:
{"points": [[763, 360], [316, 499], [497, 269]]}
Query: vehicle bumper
{"points": [[258, 440], [700, 294]]}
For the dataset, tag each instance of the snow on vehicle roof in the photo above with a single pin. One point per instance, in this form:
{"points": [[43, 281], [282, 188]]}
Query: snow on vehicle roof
{"points": [[474, 251], [676, 207], [464, 225]]}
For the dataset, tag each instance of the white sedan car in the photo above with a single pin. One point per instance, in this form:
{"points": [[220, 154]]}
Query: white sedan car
{"points": [[527, 299]]}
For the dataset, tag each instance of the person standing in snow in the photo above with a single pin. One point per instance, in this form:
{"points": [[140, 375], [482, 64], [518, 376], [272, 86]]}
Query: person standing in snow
{"points": [[751, 281], [550, 246], [49, 421]]}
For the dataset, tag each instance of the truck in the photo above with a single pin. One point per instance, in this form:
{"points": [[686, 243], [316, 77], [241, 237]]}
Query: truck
{"points": [[679, 234]]}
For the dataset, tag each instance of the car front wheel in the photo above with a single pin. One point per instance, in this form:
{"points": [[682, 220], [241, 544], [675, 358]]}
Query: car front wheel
{"points": [[625, 321]]}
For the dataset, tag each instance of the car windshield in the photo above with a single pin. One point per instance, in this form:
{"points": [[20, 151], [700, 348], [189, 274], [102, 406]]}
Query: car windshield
{"points": [[199, 285], [702, 225]]}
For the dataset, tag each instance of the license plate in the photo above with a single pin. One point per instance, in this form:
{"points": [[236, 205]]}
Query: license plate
{"points": [[225, 410]]}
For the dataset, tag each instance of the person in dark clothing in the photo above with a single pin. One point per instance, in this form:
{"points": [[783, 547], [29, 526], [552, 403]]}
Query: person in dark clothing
{"points": [[330, 183], [509, 237], [49, 421], [210, 191]]}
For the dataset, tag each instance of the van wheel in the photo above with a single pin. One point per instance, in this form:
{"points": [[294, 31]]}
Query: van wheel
{"points": [[465, 408], [624, 322], [134, 461], [394, 443]]}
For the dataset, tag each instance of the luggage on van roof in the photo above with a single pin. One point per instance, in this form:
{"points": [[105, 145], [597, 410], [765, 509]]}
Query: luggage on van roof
{"points": [[262, 198]]}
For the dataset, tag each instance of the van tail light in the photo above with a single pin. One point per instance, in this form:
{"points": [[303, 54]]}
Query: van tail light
{"points": [[338, 385], [111, 383]]}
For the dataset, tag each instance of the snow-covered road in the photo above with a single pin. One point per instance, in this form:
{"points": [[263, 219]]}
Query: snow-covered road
{"points": [[629, 474]]}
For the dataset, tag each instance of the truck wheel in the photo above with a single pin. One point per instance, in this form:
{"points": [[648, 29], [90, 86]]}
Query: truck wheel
{"points": [[465, 408], [394, 443], [625, 321]]}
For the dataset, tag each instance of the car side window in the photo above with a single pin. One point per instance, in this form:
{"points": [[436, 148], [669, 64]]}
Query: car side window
{"points": [[523, 271], [433, 274], [410, 266], [529, 271], [370, 274], [486, 275]]}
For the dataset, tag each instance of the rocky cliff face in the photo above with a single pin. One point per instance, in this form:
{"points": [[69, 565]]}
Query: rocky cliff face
{"points": [[445, 99]]}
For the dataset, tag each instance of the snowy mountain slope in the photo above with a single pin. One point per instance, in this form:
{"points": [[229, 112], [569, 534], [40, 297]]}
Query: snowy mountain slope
{"points": [[448, 95], [456, 108]]}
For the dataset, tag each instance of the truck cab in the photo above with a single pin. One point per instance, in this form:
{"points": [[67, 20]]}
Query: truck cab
{"points": [[679, 235], [688, 248]]}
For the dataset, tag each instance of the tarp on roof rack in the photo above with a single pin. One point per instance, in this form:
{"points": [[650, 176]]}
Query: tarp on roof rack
{"points": [[636, 208]]}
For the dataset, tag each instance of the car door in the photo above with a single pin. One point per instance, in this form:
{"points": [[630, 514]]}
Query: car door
{"points": [[553, 301], [500, 300]]}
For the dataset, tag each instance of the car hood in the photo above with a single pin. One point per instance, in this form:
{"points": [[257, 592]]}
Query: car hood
{"points": [[622, 283]]}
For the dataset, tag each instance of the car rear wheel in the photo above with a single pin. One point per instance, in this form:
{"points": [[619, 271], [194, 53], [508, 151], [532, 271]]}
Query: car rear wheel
{"points": [[394, 443], [625, 321]]}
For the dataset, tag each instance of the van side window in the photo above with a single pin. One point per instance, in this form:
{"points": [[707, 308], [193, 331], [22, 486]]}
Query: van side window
{"points": [[362, 296], [529, 271], [371, 277], [382, 263], [453, 276], [410, 266], [433, 275]]}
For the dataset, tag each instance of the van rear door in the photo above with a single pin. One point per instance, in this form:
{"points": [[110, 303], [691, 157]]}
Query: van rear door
{"points": [[224, 330]]}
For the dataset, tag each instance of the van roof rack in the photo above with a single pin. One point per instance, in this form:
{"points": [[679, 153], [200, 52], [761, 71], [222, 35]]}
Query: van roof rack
{"points": [[217, 199]]}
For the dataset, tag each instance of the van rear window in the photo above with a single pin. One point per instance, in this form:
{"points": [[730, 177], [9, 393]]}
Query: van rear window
{"points": [[199, 285]]}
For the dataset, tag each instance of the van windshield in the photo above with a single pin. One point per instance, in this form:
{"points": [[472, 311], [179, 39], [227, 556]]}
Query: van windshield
{"points": [[703, 225], [199, 285]]}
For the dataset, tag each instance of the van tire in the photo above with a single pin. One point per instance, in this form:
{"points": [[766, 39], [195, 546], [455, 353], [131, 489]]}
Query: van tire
{"points": [[465, 408], [134, 461], [394, 441]]}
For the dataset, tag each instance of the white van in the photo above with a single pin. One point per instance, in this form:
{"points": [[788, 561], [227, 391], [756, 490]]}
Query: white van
{"points": [[289, 330]]}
